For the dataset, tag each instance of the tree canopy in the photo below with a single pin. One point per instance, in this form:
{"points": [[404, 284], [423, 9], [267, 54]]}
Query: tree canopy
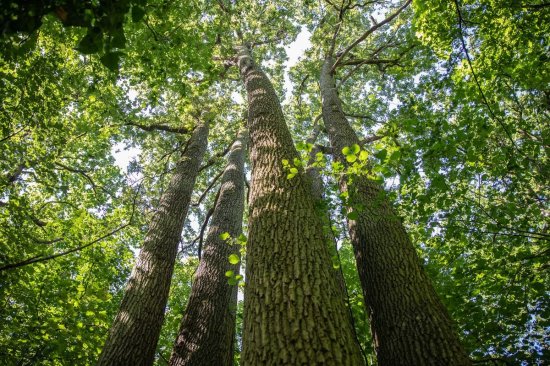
{"points": [[450, 99]]}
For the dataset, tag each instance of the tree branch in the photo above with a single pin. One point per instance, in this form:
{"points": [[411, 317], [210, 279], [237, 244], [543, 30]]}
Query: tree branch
{"points": [[203, 195], [362, 62], [369, 139], [15, 175], [39, 258], [215, 158], [158, 127], [42, 258], [367, 33], [203, 228], [465, 49], [79, 171]]}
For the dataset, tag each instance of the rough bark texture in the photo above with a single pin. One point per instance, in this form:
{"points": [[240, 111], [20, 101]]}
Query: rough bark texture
{"points": [[208, 326], [410, 325], [317, 191], [294, 313], [134, 334]]}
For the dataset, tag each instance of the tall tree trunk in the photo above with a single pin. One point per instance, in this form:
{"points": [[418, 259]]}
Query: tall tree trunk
{"points": [[133, 337], [208, 326], [410, 325], [294, 313], [317, 191]]}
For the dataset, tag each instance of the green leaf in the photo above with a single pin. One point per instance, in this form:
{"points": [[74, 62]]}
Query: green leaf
{"points": [[293, 171], [111, 60], [382, 154], [355, 149], [238, 277], [363, 155], [346, 150], [290, 176], [232, 281], [118, 40], [91, 43], [351, 158], [234, 259], [229, 274], [137, 13], [353, 215], [225, 236], [241, 239]]}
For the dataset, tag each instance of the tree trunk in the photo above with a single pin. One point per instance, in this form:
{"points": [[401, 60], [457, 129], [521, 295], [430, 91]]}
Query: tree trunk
{"points": [[133, 337], [317, 191], [410, 325], [294, 313], [208, 326]]}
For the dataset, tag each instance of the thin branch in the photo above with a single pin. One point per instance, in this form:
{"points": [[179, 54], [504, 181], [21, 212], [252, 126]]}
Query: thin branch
{"points": [[16, 174], [13, 134], [158, 127], [205, 223], [155, 35], [333, 40], [369, 139], [212, 183], [367, 33], [47, 242], [324, 149], [41, 258], [360, 63], [361, 116], [215, 158], [163, 358], [203, 229], [38, 259], [465, 49], [81, 172], [535, 6]]}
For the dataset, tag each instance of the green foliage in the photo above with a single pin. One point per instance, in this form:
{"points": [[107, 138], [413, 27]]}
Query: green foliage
{"points": [[462, 153], [179, 294], [103, 21]]}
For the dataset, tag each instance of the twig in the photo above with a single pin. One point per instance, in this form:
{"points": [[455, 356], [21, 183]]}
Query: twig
{"points": [[370, 139], [38, 259], [367, 33], [158, 127], [485, 101], [203, 195], [13, 134], [79, 171], [203, 228], [214, 158]]}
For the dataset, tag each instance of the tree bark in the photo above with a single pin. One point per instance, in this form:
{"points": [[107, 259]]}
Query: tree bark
{"points": [[317, 191], [207, 329], [133, 337], [294, 313], [410, 325]]}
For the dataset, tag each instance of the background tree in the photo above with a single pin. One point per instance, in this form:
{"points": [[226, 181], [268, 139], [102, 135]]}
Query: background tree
{"points": [[207, 330]]}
